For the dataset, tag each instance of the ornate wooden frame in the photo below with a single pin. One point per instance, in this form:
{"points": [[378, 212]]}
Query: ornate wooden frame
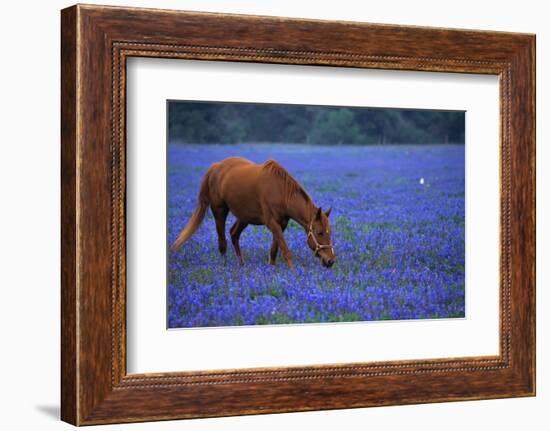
{"points": [[95, 43]]}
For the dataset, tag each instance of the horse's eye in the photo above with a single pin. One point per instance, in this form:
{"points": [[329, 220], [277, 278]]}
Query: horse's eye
{"points": [[320, 233]]}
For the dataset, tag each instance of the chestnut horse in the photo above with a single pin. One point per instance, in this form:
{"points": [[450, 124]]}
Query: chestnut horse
{"points": [[256, 194]]}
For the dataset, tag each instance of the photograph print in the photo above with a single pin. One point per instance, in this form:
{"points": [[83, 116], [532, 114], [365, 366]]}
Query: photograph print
{"points": [[300, 214]]}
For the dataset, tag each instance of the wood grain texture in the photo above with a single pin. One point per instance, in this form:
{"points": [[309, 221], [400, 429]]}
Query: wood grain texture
{"points": [[96, 41], [69, 366]]}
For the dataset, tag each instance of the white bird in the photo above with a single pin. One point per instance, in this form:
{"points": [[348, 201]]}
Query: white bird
{"points": [[421, 180]]}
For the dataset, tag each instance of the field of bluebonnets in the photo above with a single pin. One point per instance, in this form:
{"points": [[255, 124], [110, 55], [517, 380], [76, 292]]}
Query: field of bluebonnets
{"points": [[398, 231]]}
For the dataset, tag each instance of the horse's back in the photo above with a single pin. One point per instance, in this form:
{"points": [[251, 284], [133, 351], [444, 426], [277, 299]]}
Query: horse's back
{"points": [[232, 170], [247, 188], [233, 184], [233, 162], [241, 173]]}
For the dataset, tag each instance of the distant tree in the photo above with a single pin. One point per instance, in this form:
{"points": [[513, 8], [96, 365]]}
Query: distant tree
{"points": [[336, 126], [227, 123]]}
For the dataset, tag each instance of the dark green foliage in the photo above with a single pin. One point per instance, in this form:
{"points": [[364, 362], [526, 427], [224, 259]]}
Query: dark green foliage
{"points": [[337, 127], [229, 123]]}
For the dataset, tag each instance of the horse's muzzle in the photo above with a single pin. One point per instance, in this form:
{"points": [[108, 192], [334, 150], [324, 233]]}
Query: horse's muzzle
{"points": [[327, 263]]}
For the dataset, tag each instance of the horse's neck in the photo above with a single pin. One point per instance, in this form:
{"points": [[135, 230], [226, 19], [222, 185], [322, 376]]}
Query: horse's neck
{"points": [[301, 210]]}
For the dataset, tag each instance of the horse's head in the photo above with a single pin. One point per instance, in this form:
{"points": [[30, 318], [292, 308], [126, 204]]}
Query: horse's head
{"points": [[319, 238]]}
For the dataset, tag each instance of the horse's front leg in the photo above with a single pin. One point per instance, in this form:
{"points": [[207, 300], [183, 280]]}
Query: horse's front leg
{"points": [[279, 239], [235, 233], [273, 252], [275, 246]]}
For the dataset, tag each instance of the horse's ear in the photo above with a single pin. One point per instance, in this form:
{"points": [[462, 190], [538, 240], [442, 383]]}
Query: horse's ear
{"points": [[319, 212], [327, 213]]}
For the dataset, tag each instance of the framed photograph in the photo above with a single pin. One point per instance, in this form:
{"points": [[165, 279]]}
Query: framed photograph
{"points": [[263, 214]]}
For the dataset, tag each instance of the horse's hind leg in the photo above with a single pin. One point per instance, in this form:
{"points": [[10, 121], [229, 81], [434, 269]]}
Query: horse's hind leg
{"points": [[220, 215], [235, 233], [275, 245]]}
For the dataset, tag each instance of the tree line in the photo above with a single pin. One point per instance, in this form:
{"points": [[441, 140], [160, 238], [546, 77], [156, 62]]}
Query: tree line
{"points": [[229, 123]]}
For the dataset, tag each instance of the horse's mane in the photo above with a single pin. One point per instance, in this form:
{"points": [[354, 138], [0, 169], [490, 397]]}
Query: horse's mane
{"points": [[291, 186]]}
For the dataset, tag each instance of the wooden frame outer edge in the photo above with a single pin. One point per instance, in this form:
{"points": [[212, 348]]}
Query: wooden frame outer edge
{"points": [[69, 208], [78, 407]]}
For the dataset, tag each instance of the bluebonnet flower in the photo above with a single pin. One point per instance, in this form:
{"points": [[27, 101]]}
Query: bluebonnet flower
{"points": [[399, 241]]}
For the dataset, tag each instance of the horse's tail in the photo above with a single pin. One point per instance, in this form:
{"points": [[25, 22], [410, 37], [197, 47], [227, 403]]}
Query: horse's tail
{"points": [[197, 217]]}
